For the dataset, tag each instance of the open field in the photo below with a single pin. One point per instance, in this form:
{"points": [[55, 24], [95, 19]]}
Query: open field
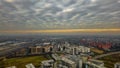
{"points": [[98, 51], [22, 61], [111, 60]]}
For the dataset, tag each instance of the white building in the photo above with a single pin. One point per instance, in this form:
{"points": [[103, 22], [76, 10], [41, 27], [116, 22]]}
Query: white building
{"points": [[30, 65], [77, 59], [65, 62], [117, 65], [12, 67], [76, 50], [47, 64], [94, 64]]}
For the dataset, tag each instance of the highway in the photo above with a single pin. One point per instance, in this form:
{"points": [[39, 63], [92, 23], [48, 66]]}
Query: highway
{"points": [[103, 55]]}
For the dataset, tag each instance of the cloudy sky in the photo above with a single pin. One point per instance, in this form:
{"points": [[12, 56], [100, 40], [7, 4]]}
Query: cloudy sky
{"points": [[59, 14]]}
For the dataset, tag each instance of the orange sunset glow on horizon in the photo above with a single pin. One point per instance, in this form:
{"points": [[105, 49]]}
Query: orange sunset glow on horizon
{"points": [[63, 31]]}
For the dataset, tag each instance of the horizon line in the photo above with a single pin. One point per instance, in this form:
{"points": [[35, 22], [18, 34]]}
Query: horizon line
{"points": [[62, 31]]}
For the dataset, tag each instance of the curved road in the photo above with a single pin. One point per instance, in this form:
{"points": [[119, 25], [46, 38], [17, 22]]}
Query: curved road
{"points": [[103, 55]]}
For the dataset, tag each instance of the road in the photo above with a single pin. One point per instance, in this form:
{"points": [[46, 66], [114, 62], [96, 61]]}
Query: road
{"points": [[103, 55]]}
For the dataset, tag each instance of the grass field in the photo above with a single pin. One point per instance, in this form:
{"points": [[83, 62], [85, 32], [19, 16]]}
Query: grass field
{"points": [[111, 60], [21, 62], [98, 51]]}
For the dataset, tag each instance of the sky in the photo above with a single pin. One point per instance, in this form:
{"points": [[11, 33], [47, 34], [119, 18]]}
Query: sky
{"points": [[56, 15]]}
